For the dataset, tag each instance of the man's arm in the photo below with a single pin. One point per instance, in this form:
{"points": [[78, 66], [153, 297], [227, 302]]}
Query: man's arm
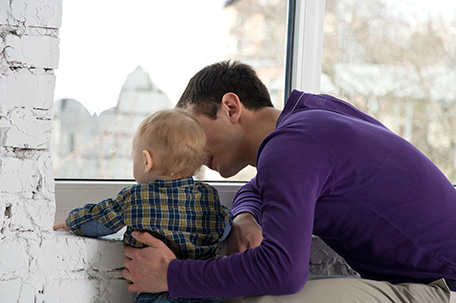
{"points": [[293, 171], [247, 200], [245, 233]]}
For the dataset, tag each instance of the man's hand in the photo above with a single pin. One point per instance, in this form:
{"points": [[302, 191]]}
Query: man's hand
{"points": [[245, 233], [147, 267]]}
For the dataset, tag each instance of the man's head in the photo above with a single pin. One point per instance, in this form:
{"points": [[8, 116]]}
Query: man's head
{"points": [[227, 99], [168, 143], [206, 89]]}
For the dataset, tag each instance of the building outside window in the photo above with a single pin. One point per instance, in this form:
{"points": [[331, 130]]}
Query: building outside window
{"points": [[395, 60], [126, 59]]}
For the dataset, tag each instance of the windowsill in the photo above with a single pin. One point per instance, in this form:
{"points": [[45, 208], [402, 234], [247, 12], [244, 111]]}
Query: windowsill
{"points": [[74, 193]]}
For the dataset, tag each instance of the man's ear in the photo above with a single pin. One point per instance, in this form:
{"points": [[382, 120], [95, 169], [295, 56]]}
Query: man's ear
{"points": [[148, 161], [232, 105]]}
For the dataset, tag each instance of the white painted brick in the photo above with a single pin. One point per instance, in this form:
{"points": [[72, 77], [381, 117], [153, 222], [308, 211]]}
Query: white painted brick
{"points": [[67, 255], [21, 88], [92, 264], [61, 267], [3, 211], [43, 13], [31, 215], [32, 51], [9, 290], [73, 291], [30, 291], [105, 258], [4, 11], [27, 190], [116, 290], [13, 258], [25, 127], [22, 176]]}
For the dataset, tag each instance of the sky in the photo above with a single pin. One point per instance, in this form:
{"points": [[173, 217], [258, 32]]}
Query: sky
{"points": [[102, 41], [422, 9]]}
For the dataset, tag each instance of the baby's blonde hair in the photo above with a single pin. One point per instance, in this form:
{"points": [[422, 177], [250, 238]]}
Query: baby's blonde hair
{"points": [[177, 139]]}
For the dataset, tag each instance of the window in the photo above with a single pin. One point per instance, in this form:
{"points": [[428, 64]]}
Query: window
{"points": [[122, 60], [396, 60], [392, 59]]}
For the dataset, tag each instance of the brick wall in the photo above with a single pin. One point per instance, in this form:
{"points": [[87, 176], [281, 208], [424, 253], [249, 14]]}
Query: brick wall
{"points": [[36, 264]]}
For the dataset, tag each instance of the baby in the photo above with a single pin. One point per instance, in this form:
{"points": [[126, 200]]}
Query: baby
{"points": [[167, 150]]}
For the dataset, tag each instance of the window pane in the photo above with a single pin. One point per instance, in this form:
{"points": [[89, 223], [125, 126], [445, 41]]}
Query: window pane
{"points": [[122, 60], [396, 60]]}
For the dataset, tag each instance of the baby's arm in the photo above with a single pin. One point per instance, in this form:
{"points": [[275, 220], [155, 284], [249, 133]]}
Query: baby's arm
{"points": [[97, 220], [89, 229], [62, 226]]}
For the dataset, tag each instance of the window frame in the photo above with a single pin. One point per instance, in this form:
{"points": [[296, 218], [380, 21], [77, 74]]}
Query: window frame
{"points": [[304, 46]]}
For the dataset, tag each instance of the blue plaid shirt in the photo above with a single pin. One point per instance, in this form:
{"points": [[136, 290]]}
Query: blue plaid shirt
{"points": [[186, 215]]}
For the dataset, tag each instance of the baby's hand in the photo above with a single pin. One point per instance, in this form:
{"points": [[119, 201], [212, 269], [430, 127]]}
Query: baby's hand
{"points": [[61, 226]]}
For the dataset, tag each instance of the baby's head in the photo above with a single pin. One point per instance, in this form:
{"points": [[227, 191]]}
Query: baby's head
{"points": [[168, 144]]}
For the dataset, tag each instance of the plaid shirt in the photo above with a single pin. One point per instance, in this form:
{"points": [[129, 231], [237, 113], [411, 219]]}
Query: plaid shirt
{"points": [[186, 215]]}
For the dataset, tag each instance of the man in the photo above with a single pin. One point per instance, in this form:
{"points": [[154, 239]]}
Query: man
{"points": [[323, 167]]}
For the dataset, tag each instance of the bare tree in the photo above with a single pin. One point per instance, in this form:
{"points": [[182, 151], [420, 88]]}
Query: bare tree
{"points": [[417, 56]]}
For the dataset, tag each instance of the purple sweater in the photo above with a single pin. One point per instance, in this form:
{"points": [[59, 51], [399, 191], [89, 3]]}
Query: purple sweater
{"points": [[330, 170]]}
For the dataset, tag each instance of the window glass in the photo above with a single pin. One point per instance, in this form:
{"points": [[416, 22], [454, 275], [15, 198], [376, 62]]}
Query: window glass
{"points": [[122, 60], [396, 60]]}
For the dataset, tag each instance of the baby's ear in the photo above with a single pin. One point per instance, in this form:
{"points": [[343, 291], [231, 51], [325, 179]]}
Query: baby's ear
{"points": [[148, 161]]}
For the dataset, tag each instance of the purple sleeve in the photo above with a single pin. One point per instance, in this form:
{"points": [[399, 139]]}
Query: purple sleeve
{"points": [[292, 174], [248, 200]]}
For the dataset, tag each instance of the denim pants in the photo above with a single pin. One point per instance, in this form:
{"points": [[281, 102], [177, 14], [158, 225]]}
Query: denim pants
{"points": [[163, 297]]}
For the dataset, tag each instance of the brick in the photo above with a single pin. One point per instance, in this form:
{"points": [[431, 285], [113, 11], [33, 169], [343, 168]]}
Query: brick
{"points": [[68, 255], [25, 128], [91, 265], [116, 290], [26, 214], [73, 291], [32, 51], [30, 291], [9, 290], [21, 176], [4, 11], [13, 259], [62, 257], [21, 88], [42, 13]]}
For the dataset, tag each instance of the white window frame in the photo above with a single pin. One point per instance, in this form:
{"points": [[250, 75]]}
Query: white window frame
{"points": [[305, 60], [306, 43]]}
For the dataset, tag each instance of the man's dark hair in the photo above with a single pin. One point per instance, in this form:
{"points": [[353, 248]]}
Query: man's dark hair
{"points": [[206, 88]]}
